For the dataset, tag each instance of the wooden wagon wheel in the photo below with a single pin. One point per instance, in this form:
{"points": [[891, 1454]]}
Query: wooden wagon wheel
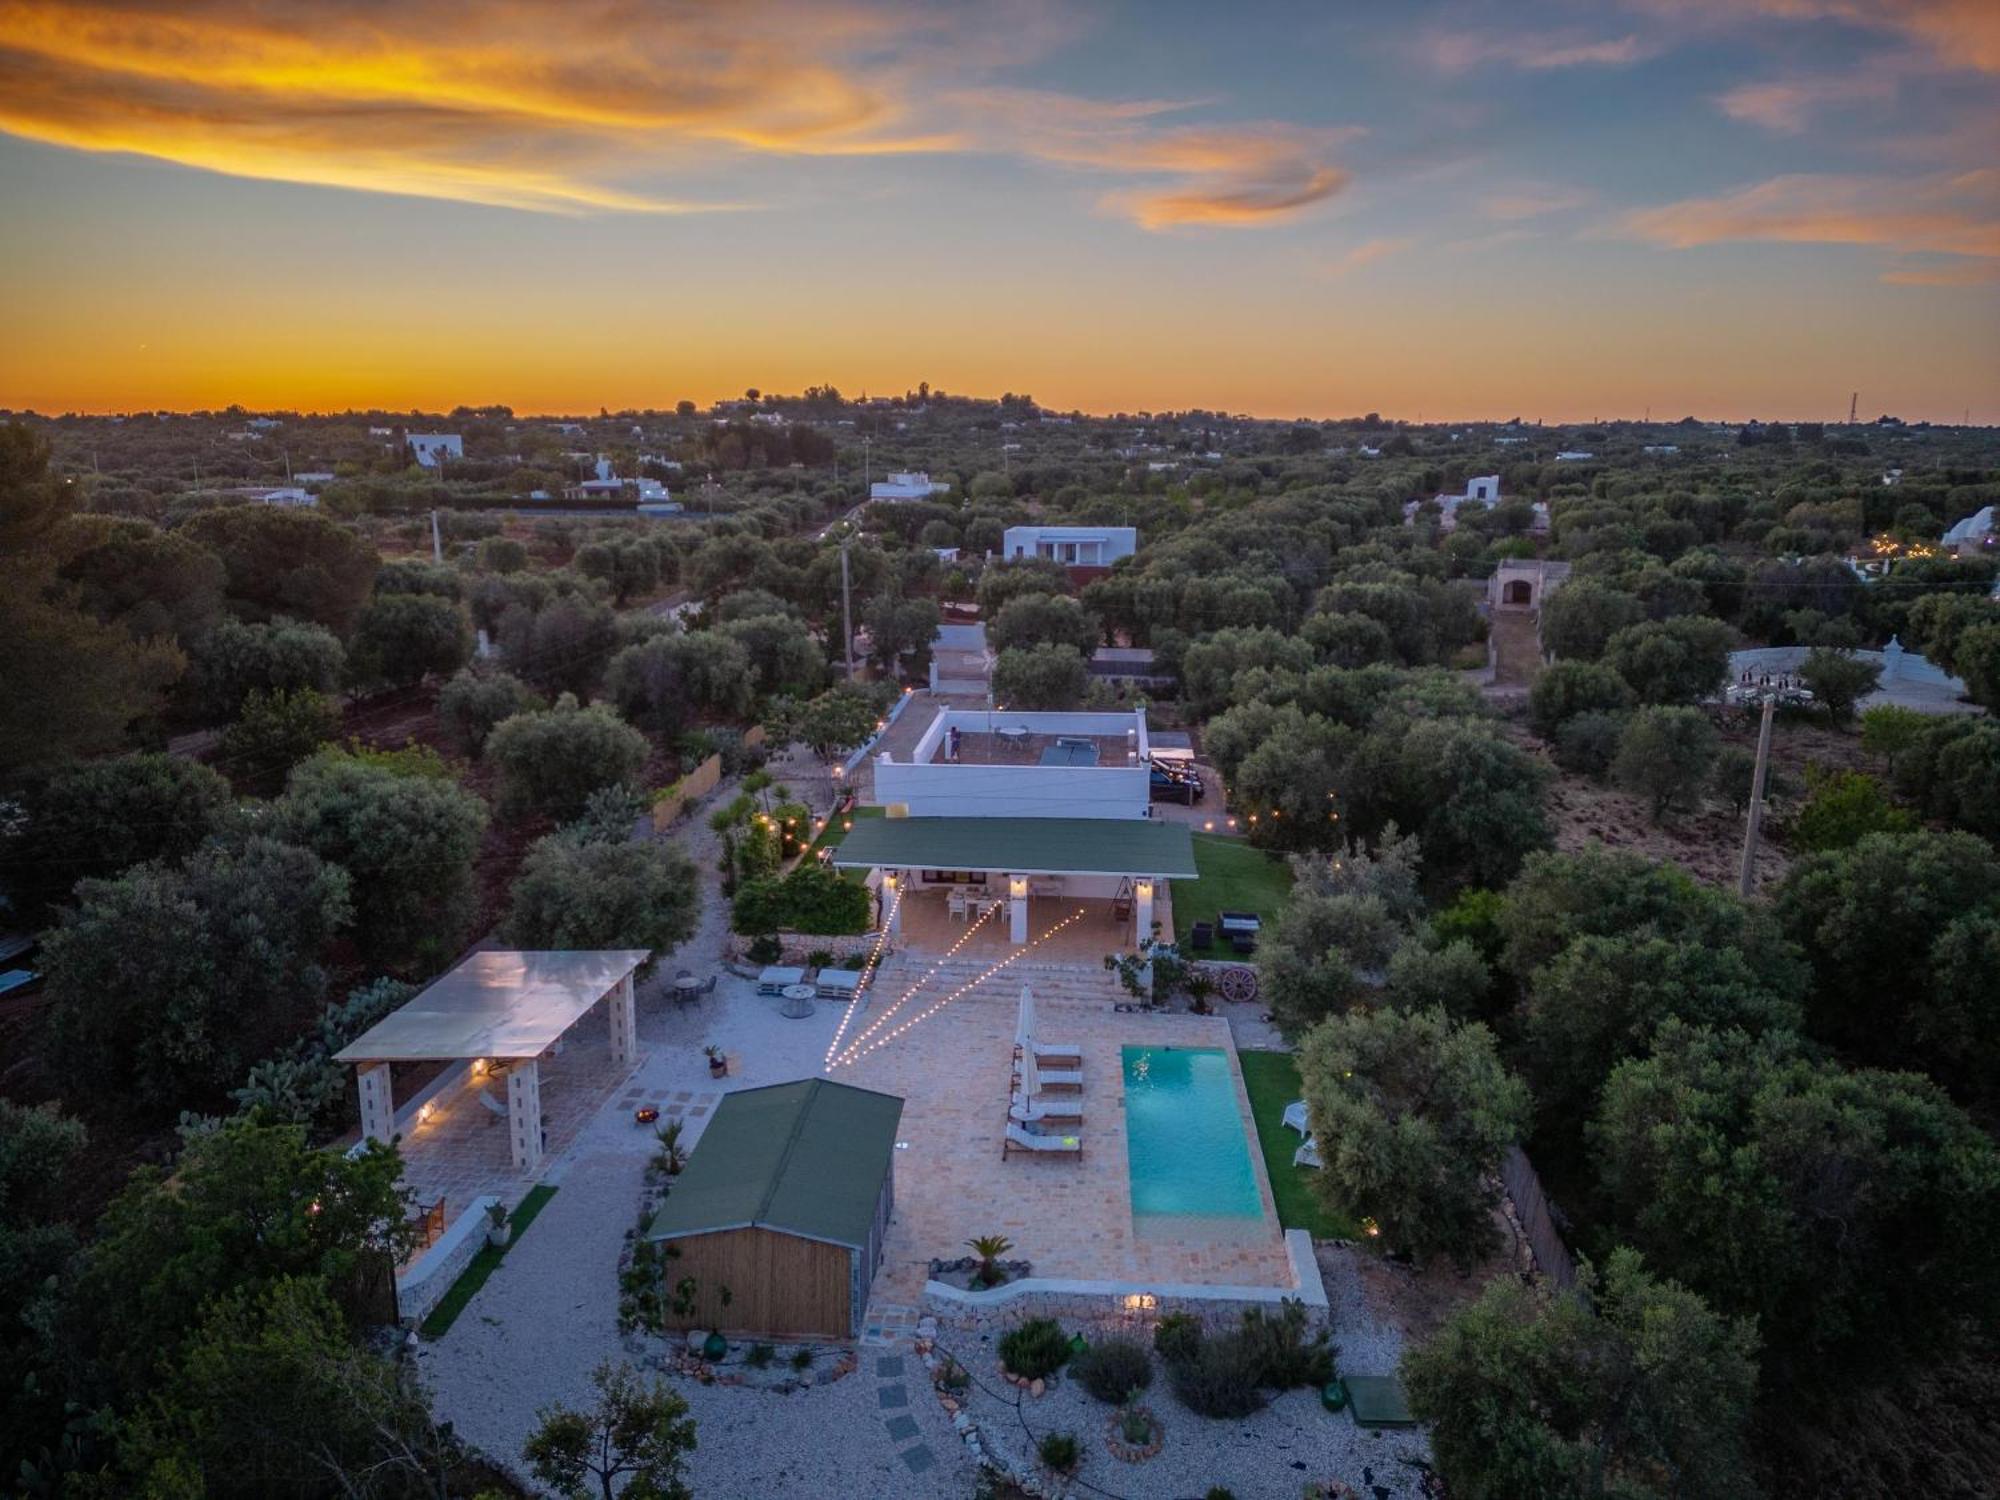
{"points": [[1239, 983]]}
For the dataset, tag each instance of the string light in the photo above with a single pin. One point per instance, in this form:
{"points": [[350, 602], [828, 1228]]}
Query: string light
{"points": [[856, 1051], [867, 973], [925, 976]]}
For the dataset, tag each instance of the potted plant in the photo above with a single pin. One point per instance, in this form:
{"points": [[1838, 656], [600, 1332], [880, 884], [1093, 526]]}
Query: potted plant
{"points": [[497, 1228], [989, 1248], [718, 1065], [716, 1346]]}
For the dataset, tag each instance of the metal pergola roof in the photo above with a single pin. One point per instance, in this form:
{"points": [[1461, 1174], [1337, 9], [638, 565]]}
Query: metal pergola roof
{"points": [[1021, 846], [504, 1003]]}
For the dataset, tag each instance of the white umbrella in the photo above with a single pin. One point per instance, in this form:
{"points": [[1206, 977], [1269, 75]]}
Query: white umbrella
{"points": [[1024, 1028], [1031, 1076]]}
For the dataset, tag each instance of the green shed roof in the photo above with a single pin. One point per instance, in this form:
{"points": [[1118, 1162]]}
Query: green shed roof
{"points": [[1021, 846], [806, 1158]]}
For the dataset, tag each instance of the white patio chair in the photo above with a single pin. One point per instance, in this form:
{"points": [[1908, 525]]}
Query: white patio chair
{"points": [[1295, 1117]]}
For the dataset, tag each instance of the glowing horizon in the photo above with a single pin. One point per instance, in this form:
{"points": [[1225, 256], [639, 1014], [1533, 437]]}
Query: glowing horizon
{"points": [[1560, 211]]}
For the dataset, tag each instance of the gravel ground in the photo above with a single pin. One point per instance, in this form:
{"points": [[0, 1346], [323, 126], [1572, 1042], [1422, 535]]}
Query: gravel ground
{"points": [[548, 1315], [1270, 1454]]}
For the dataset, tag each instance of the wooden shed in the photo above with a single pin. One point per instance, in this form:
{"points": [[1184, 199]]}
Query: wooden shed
{"points": [[785, 1201]]}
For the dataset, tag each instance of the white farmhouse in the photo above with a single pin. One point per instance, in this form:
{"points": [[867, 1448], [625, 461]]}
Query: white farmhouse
{"points": [[1482, 491], [431, 449], [1972, 533], [1072, 546], [908, 485]]}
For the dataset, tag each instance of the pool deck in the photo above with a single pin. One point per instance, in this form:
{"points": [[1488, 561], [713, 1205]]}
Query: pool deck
{"points": [[1071, 1217]]}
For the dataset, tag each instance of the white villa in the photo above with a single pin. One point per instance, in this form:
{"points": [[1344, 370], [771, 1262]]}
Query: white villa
{"points": [[1482, 491], [1049, 813], [907, 485], [431, 449], [1072, 546]]}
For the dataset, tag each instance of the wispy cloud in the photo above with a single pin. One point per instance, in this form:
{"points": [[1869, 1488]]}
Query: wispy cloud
{"points": [[1236, 175], [1960, 33], [1531, 201], [593, 105], [1952, 214], [1961, 273], [1366, 254], [1461, 51]]}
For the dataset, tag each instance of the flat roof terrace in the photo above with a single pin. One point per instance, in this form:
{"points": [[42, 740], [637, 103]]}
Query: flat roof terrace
{"points": [[1008, 737]]}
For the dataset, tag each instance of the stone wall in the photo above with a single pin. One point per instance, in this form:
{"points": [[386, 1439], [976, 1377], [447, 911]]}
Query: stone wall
{"points": [[423, 1283]]}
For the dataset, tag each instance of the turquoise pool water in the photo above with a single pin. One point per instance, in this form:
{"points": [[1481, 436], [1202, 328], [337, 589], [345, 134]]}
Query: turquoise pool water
{"points": [[1184, 1137]]}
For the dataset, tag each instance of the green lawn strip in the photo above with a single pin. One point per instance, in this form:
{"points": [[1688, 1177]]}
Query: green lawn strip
{"points": [[1234, 877], [1272, 1081], [836, 830], [483, 1265]]}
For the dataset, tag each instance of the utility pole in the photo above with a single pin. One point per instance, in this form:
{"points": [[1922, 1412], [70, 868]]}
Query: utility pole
{"points": [[1747, 881], [846, 611], [1853, 402], [437, 540]]}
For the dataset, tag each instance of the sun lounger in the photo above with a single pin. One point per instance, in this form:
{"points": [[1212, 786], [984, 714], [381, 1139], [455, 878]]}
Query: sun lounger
{"points": [[1020, 1139], [1308, 1155], [1056, 1078], [1058, 1052], [1295, 1117], [1042, 1111]]}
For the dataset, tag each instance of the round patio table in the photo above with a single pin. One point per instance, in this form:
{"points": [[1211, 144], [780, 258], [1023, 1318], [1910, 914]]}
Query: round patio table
{"points": [[686, 985], [798, 1001]]}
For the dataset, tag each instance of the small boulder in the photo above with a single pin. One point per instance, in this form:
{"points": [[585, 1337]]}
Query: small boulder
{"points": [[1036, 1388]]}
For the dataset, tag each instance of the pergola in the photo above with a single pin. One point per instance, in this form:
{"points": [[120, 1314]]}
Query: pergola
{"points": [[504, 1006], [1140, 850]]}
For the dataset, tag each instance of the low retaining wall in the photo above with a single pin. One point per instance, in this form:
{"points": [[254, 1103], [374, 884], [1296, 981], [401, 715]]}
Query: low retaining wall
{"points": [[421, 1284], [1069, 1301]]}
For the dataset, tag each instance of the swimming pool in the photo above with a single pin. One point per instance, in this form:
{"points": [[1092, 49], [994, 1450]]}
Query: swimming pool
{"points": [[1189, 1159]]}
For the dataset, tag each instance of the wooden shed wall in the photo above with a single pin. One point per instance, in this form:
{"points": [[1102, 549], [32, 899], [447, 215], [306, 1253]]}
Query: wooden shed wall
{"points": [[780, 1284]]}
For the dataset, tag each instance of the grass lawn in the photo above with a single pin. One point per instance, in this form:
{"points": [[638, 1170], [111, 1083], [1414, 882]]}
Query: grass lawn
{"points": [[483, 1265], [1234, 877], [1272, 1081], [834, 832]]}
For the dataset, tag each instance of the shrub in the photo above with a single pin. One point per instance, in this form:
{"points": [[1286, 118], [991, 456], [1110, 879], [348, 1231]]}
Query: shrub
{"points": [[1178, 1337], [1113, 1370], [1060, 1452], [802, 1359], [765, 949], [1219, 1492], [759, 1356], [551, 762], [1221, 1378], [475, 703], [810, 899], [278, 730], [1588, 743], [1286, 1357], [1035, 1350]]}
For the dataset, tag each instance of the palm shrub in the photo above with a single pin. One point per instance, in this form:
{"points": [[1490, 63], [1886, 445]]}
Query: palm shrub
{"points": [[1035, 1350], [1114, 1370], [989, 1248]]}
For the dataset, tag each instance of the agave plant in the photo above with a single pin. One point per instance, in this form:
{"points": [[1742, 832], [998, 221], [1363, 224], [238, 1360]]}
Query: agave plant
{"points": [[989, 1248]]}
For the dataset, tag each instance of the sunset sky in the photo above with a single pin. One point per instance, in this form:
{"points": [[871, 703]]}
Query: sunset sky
{"points": [[1456, 209]]}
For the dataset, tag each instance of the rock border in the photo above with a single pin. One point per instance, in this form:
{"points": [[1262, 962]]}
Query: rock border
{"points": [[1124, 1452]]}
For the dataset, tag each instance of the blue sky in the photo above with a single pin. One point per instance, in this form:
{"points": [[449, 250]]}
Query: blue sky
{"points": [[1463, 209]]}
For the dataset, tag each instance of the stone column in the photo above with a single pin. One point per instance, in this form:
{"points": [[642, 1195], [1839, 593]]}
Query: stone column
{"points": [[524, 1114], [624, 1024], [892, 909], [1017, 908], [1142, 924], [378, 1107]]}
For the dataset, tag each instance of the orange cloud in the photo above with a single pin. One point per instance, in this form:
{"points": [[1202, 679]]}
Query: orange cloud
{"points": [[1964, 273], [590, 105], [1367, 253], [1261, 172], [1461, 51], [505, 103], [1948, 214], [1962, 33]]}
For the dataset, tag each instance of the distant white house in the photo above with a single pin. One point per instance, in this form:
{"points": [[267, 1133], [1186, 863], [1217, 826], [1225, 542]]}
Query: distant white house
{"points": [[1893, 476], [263, 424], [313, 476], [1574, 456], [1972, 533], [1482, 492], [282, 494], [1663, 450], [431, 449], [907, 485], [1072, 546]]}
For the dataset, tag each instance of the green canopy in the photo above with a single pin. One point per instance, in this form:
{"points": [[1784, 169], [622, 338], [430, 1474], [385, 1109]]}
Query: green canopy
{"points": [[806, 1158]]}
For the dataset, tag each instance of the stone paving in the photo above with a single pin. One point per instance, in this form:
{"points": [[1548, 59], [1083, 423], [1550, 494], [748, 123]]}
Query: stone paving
{"points": [[1070, 1216]]}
